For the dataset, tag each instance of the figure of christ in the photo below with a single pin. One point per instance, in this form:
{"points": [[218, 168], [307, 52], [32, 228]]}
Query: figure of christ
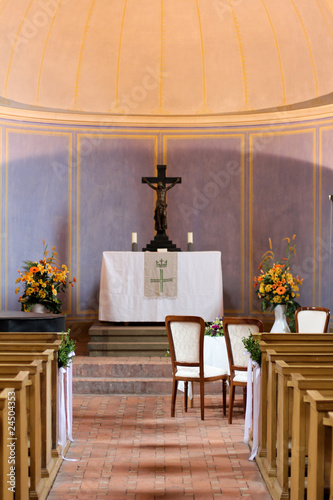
{"points": [[160, 214]]}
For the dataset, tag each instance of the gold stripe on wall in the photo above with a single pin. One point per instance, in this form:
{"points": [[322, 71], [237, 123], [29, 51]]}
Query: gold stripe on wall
{"points": [[83, 43], [251, 140], [1, 218], [47, 133], [320, 232], [78, 197], [308, 44], [119, 53], [14, 47], [278, 52], [44, 50]]}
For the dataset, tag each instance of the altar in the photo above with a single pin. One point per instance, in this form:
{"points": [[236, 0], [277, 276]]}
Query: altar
{"points": [[199, 290]]}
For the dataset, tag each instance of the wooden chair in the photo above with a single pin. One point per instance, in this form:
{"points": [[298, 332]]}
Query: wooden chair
{"points": [[234, 330], [312, 319], [186, 341]]}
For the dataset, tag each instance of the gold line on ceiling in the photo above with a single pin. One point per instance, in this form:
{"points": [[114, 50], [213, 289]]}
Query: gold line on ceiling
{"points": [[308, 44], [44, 50], [325, 18], [14, 47], [204, 96], [119, 52], [242, 56], [3, 7], [162, 55], [83, 43], [278, 52]]}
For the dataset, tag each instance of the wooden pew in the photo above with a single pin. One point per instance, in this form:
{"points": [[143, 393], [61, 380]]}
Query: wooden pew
{"points": [[268, 464], [31, 336], [46, 357], [34, 421], [299, 384], [325, 357], [277, 341], [18, 442], [5, 470], [328, 422], [321, 402], [35, 347]]}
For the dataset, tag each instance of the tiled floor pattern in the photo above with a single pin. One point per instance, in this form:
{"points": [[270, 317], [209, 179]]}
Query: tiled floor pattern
{"points": [[128, 447]]}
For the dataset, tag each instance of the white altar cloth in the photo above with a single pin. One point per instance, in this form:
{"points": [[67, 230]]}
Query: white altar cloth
{"points": [[122, 288]]}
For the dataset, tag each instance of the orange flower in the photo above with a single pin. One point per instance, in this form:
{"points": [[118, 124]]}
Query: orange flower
{"points": [[34, 269], [281, 290]]}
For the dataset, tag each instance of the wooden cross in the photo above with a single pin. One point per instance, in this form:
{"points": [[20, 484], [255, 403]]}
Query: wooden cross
{"points": [[161, 177]]}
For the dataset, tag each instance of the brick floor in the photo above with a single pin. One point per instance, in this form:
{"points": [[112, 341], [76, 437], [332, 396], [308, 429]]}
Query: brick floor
{"points": [[128, 447]]}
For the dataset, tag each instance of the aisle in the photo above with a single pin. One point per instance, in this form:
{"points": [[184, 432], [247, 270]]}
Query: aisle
{"points": [[128, 447]]}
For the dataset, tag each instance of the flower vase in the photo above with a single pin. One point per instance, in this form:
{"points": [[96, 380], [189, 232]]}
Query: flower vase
{"points": [[38, 308], [280, 324]]}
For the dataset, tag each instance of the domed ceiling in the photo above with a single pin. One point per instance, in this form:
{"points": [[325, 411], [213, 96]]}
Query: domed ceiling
{"points": [[165, 57]]}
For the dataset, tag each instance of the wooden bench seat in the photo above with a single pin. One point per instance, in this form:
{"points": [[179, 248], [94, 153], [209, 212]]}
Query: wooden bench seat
{"points": [[34, 417], [17, 438], [299, 383], [321, 402], [268, 463]]}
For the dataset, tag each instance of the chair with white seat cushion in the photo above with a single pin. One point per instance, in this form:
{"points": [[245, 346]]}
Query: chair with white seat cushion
{"points": [[310, 319], [234, 331], [186, 341]]}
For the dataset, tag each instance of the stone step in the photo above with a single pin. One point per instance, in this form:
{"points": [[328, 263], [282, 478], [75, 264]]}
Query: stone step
{"points": [[121, 367], [131, 340], [101, 385], [106, 329], [123, 375]]}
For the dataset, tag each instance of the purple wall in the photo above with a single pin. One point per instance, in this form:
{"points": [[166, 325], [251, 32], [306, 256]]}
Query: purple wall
{"points": [[80, 189]]}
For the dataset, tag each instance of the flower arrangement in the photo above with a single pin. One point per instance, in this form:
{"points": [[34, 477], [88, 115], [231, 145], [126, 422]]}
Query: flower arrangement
{"points": [[67, 347], [215, 328], [276, 285], [253, 347], [42, 282]]}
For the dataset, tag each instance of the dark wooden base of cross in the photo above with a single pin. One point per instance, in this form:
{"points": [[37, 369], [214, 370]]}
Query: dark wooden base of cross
{"points": [[161, 240]]}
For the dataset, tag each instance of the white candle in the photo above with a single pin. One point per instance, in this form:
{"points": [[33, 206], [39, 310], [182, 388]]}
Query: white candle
{"points": [[134, 237], [189, 237]]}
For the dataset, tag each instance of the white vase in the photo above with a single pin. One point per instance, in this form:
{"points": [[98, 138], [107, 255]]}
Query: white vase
{"points": [[280, 324], [38, 308]]}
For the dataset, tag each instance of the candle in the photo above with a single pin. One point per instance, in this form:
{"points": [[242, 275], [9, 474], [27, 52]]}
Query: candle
{"points": [[134, 237], [189, 237]]}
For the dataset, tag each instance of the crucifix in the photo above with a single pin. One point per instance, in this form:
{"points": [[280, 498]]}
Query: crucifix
{"points": [[161, 181]]}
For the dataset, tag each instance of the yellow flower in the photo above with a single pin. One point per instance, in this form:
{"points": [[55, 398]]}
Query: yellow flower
{"points": [[54, 291], [277, 299], [262, 288], [29, 291], [17, 290], [268, 288]]}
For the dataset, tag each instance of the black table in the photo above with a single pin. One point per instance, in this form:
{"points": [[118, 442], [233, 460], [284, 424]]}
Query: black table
{"points": [[19, 321]]}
